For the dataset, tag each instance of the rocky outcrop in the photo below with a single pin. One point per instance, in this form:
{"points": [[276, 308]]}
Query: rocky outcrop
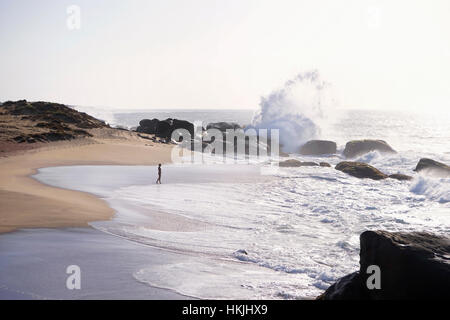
{"points": [[164, 128], [412, 265], [325, 164], [49, 112], [223, 126], [148, 126], [360, 170], [181, 124], [400, 177], [350, 287], [31, 122], [297, 163], [359, 147], [364, 170], [318, 147], [433, 167]]}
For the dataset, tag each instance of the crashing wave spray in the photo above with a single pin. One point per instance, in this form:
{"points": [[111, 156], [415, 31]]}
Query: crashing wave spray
{"points": [[296, 110]]}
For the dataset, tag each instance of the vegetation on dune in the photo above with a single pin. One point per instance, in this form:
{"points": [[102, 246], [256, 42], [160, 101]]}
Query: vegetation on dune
{"points": [[31, 122]]}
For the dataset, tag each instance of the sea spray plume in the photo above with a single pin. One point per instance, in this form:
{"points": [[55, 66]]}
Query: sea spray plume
{"points": [[296, 110]]}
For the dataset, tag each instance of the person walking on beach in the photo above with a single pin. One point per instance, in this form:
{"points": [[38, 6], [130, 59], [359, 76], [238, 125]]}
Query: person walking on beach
{"points": [[159, 174]]}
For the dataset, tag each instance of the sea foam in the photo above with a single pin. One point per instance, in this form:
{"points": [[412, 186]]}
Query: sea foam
{"points": [[297, 110], [434, 189]]}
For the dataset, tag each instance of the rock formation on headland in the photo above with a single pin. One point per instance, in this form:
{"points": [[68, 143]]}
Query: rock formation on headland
{"points": [[318, 147], [433, 167], [412, 265], [358, 147], [31, 122]]}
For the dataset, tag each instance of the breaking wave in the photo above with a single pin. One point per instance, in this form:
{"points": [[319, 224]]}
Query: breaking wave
{"points": [[432, 188], [297, 110]]}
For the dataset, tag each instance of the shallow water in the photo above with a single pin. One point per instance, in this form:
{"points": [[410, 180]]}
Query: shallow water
{"points": [[286, 235], [299, 227], [33, 265]]}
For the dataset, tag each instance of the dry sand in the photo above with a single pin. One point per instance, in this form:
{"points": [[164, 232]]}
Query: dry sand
{"points": [[26, 203]]}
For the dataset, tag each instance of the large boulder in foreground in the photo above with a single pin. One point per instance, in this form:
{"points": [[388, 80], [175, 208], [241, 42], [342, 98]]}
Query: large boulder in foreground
{"points": [[360, 170], [412, 265], [318, 147], [349, 287], [433, 167], [359, 147], [296, 163]]}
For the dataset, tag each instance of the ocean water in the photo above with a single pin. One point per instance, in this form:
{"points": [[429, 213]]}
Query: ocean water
{"points": [[130, 119], [406, 131], [285, 235]]}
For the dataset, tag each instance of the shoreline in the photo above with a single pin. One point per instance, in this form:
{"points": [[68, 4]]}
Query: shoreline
{"points": [[42, 249], [28, 203]]}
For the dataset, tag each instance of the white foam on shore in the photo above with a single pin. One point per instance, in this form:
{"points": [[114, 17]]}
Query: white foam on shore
{"points": [[300, 227]]}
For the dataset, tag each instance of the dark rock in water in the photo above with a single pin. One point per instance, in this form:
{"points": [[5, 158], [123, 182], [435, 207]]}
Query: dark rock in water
{"points": [[283, 154], [325, 164], [147, 126], [148, 122], [350, 287], [223, 126], [400, 177], [412, 265], [182, 124], [296, 163], [318, 147], [358, 147], [290, 163], [433, 167], [164, 128], [360, 170]]}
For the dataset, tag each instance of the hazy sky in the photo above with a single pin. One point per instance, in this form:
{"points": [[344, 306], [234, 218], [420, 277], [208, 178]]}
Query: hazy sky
{"points": [[225, 53]]}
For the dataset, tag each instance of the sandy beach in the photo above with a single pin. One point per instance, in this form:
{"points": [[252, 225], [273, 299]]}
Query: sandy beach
{"points": [[26, 203]]}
